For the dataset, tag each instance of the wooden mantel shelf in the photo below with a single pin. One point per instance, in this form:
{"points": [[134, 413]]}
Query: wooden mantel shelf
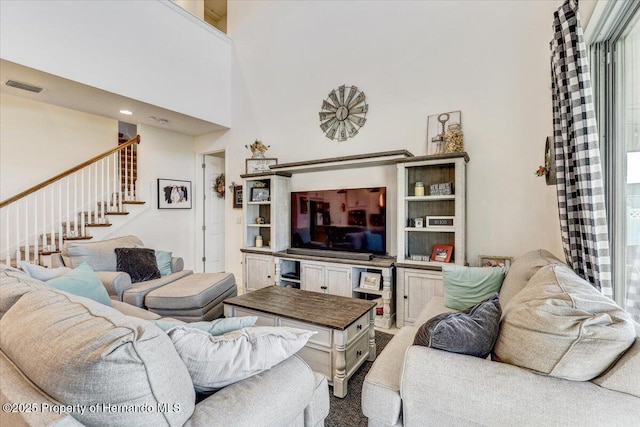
{"points": [[346, 162]]}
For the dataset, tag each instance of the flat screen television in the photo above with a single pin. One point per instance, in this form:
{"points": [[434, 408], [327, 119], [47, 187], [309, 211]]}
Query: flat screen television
{"points": [[351, 219]]}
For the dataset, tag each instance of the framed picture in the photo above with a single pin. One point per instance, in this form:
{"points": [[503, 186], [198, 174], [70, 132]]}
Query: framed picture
{"points": [[442, 253], [437, 125], [174, 194], [370, 280], [237, 197], [260, 194], [494, 261], [260, 164]]}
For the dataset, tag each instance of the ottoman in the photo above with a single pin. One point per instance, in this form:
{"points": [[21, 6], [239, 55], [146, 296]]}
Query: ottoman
{"points": [[193, 298]]}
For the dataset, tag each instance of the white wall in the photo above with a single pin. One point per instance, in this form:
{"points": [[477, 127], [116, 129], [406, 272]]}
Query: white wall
{"points": [[412, 59], [151, 51], [39, 141], [168, 155]]}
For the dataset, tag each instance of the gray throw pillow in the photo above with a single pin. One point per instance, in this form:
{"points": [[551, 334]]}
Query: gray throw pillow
{"points": [[472, 332], [140, 263]]}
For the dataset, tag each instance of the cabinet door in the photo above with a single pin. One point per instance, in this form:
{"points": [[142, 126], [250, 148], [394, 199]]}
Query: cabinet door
{"points": [[419, 288], [312, 277], [339, 281], [257, 271]]}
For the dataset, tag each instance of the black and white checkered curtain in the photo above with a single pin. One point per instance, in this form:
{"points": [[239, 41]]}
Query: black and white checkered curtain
{"points": [[583, 219]]}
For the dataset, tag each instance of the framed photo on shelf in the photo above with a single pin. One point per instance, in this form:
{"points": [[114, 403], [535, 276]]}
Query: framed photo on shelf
{"points": [[237, 197], [260, 164], [370, 280], [442, 253], [260, 194], [174, 194], [495, 261]]}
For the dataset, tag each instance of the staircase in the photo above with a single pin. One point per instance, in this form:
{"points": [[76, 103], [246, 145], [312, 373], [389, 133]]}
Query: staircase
{"points": [[88, 201]]}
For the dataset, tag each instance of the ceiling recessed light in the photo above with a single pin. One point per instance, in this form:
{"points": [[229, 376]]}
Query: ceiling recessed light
{"points": [[163, 121], [126, 112], [153, 118]]}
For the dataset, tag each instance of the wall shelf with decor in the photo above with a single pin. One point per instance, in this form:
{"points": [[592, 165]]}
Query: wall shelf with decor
{"points": [[431, 227], [266, 212]]}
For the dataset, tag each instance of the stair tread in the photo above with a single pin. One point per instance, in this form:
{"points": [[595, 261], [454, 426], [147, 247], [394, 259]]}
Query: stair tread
{"points": [[78, 238], [116, 213], [133, 202], [98, 225]]}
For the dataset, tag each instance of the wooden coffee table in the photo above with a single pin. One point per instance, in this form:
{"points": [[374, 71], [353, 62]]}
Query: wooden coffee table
{"points": [[345, 338]]}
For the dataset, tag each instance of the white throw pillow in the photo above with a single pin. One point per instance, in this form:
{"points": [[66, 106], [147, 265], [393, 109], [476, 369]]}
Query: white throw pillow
{"points": [[43, 273], [217, 361]]}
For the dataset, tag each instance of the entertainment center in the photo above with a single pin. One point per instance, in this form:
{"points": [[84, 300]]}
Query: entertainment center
{"points": [[336, 241]]}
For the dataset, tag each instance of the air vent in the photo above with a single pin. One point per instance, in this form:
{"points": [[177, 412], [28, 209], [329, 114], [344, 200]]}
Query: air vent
{"points": [[24, 86]]}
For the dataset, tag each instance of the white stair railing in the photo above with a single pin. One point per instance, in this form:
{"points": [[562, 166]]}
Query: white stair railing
{"points": [[39, 220]]}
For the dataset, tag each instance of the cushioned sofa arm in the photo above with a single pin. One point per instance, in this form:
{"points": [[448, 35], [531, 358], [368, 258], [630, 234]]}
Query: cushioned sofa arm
{"points": [[452, 389], [276, 397], [116, 282], [177, 264]]}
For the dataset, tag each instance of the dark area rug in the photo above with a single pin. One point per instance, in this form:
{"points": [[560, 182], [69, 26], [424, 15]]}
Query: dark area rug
{"points": [[347, 412]]}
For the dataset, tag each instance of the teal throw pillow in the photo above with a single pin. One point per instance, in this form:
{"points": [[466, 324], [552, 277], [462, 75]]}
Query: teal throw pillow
{"points": [[82, 281], [163, 259], [468, 286], [214, 327]]}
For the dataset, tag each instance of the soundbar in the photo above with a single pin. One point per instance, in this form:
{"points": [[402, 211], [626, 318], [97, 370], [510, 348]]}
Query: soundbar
{"points": [[358, 256]]}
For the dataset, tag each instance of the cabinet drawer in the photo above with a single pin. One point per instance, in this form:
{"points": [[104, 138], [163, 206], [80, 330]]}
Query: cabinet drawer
{"points": [[263, 319], [362, 324], [323, 337], [318, 360], [357, 353]]}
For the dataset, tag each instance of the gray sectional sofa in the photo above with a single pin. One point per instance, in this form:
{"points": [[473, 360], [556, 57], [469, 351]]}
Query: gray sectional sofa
{"points": [[67, 360], [102, 259], [415, 386]]}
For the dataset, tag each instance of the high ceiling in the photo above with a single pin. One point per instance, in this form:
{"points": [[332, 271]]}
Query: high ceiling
{"points": [[76, 96]]}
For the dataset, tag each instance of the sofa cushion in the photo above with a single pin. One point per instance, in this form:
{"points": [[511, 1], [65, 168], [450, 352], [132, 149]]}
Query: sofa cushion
{"points": [[135, 295], [101, 255], [82, 281], [194, 291], [472, 332], [17, 389], [83, 353], [43, 273], [217, 361], [560, 325], [623, 376], [468, 286], [139, 263], [521, 271], [13, 285]]}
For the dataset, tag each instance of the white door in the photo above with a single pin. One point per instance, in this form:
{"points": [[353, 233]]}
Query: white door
{"points": [[214, 237]]}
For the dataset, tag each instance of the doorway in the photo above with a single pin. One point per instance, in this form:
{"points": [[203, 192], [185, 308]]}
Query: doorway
{"points": [[213, 227]]}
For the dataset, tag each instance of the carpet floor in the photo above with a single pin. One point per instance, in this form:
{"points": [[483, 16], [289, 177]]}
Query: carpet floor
{"points": [[347, 412]]}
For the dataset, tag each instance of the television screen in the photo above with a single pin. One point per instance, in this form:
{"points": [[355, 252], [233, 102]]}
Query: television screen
{"points": [[345, 220]]}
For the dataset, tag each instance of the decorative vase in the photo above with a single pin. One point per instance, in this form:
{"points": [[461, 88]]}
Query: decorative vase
{"points": [[454, 139]]}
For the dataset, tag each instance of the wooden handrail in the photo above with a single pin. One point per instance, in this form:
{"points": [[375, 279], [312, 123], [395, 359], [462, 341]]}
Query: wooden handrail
{"points": [[68, 172]]}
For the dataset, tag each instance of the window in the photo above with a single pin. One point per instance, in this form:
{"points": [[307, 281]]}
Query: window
{"points": [[614, 42]]}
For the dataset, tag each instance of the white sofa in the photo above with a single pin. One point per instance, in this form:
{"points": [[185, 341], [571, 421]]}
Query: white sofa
{"points": [[415, 386], [60, 353]]}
